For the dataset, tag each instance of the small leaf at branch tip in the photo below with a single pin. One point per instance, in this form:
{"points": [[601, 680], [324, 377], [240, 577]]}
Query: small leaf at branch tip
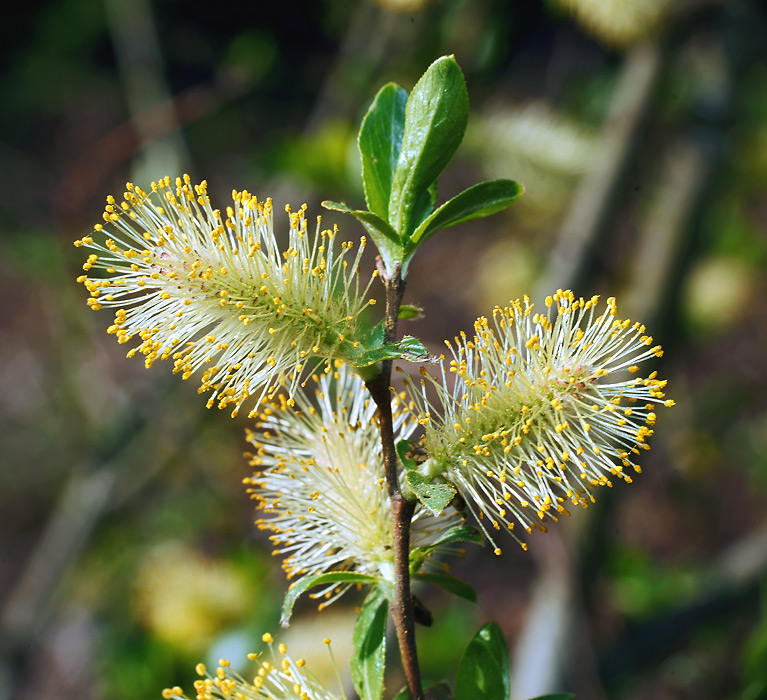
{"points": [[449, 583], [419, 357], [460, 533], [436, 115], [409, 348], [405, 452], [414, 350], [410, 313]]}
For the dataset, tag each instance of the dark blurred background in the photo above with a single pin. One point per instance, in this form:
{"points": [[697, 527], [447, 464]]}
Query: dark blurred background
{"points": [[639, 129]]}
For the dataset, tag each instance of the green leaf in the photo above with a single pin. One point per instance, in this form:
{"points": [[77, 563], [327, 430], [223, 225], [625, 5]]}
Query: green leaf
{"points": [[379, 142], [434, 496], [413, 349], [556, 696], [451, 584], [373, 336], [481, 200], [368, 661], [484, 668], [386, 239], [404, 450], [307, 582], [409, 348], [460, 533], [409, 313], [436, 115], [425, 205]]}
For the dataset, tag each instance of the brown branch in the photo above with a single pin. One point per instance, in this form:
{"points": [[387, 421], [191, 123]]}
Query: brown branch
{"points": [[402, 610], [401, 509]]}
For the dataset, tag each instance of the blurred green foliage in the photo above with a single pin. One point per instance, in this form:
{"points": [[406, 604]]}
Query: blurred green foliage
{"points": [[642, 588]]}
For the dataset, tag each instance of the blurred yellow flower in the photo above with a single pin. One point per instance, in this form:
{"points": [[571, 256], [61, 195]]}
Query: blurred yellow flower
{"points": [[545, 150], [185, 598], [618, 22]]}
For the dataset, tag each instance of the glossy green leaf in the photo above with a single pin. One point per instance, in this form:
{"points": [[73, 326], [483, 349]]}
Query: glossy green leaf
{"points": [[368, 661], [379, 142], [424, 206], [413, 349], [436, 115], [460, 533], [374, 335], [404, 452], [556, 696], [307, 582], [481, 200], [449, 583], [484, 669], [409, 348], [409, 313], [434, 496], [386, 239]]}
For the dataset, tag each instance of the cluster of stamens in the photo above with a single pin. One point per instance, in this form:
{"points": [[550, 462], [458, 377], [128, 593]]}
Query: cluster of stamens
{"points": [[543, 408], [212, 291]]}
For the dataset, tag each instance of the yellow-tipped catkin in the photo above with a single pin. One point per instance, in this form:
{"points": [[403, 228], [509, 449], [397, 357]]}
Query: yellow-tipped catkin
{"points": [[215, 294], [545, 407], [319, 479], [277, 678]]}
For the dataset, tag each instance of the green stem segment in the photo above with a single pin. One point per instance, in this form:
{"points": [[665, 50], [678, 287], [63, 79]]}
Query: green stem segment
{"points": [[401, 508]]}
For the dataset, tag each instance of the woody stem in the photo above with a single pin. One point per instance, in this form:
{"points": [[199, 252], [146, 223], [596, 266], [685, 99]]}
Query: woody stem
{"points": [[401, 508]]}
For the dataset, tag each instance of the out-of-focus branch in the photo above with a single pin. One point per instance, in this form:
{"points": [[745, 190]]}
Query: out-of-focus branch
{"points": [[548, 625], [595, 196], [733, 581], [112, 478], [366, 40], [86, 177], [81, 505], [553, 602], [134, 36], [685, 171]]}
